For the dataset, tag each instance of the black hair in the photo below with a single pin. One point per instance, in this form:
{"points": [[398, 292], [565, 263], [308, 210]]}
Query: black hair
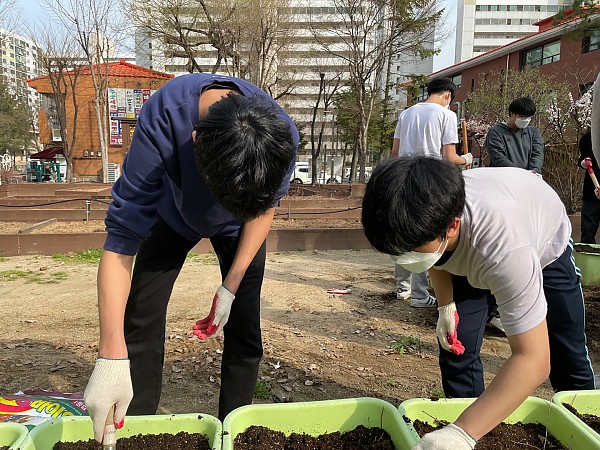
{"points": [[411, 200], [243, 149], [441, 85], [523, 106]]}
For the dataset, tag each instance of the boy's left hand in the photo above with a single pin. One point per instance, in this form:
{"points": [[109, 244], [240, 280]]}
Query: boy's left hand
{"points": [[212, 324], [446, 329]]}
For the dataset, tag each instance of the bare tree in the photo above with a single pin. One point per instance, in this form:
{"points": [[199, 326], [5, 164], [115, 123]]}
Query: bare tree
{"points": [[328, 88], [368, 32], [91, 24], [244, 39], [63, 67]]}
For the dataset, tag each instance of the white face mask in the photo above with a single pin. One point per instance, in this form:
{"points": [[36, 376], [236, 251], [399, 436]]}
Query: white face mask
{"points": [[522, 123], [418, 262]]}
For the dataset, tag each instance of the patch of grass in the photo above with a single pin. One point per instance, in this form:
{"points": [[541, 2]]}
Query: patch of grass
{"points": [[3, 259], [89, 256], [407, 344], [262, 390], [59, 276], [205, 258], [27, 276]]}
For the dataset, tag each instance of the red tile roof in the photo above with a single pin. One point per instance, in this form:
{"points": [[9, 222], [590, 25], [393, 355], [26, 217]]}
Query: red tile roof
{"points": [[122, 69]]}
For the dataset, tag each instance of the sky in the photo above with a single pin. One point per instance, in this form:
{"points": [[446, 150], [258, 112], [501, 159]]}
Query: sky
{"points": [[32, 11]]}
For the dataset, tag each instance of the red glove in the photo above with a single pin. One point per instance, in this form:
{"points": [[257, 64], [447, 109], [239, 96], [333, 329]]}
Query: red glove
{"points": [[446, 329], [212, 324]]}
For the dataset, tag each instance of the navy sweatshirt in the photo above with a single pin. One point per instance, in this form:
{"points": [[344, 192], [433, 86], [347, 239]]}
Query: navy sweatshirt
{"points": [[159, 175]]}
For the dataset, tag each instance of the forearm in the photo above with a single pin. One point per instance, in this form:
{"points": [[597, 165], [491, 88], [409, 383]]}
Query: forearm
{"points": [[450, 155], [114, 282], [505, 394], [442, 286], [395, 148], [254, 233]]}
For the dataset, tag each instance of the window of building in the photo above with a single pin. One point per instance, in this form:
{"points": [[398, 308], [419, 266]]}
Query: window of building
{"points": [[545, 54], [592, 42], [422, 93], [457, 80]]}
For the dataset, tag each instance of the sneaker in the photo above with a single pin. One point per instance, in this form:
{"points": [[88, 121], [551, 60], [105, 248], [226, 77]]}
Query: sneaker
{"points": [[402, 294], [429, 302], [496, 323]]}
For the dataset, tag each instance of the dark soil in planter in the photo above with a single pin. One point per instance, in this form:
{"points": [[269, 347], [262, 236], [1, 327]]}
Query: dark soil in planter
{"points": [[179, 441], [591, 294], [361, 438], [590, 420], [515, 436], [584, 248]]}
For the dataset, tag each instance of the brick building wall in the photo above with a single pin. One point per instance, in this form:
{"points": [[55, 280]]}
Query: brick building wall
{"points": [[85, 166]]}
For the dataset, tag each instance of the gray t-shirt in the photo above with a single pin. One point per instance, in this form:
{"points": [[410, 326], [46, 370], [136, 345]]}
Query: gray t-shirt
{"points": [[513, 226]]}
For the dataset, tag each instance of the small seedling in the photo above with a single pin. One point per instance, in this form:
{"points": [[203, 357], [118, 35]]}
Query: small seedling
{"points": [[407, 344], [3, 259], [262, 390], [393, 382], [437, 394]]}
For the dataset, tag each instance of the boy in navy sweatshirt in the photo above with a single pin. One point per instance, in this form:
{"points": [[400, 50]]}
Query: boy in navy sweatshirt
{"points": [[210, 158]]}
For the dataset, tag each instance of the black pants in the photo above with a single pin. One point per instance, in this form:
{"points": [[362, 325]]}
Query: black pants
{"points": [[157, 266], [590, 219], [571, 369]]}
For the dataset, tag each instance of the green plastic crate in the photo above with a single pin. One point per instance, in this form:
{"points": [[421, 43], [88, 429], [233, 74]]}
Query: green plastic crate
{"points": [[316, 418], [12, 434], [585, 402], [533, 410], [589, 264], [72, 429]]}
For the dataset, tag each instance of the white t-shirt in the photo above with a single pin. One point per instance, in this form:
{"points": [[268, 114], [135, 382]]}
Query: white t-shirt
{"points": [[513, 226], [423, 128]]}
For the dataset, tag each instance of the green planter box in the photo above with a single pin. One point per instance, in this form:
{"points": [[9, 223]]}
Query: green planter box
{"points": [[316, 418], [12, 434], [569, 432], [589, 264], [585, 402], [72, 429]]}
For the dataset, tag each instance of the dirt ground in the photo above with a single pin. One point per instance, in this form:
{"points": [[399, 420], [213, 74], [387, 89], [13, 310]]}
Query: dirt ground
{"points": [[317, 346]]}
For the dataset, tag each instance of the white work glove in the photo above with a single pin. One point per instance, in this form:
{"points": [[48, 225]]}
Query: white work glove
{"points": [[451, 437], [468, 157], [212, 324], [446, 329], [109, 387]]}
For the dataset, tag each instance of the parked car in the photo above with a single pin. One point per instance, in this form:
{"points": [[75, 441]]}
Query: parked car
{"points": [[302, 175]]}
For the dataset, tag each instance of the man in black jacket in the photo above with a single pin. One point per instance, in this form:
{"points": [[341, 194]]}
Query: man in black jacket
{"points": [[590, 206]]}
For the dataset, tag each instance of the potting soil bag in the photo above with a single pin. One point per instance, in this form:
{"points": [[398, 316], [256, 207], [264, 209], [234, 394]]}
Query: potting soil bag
{"points": [[31, 407]]}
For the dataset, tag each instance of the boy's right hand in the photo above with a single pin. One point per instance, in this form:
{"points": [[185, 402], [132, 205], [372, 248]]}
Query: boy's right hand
{"points": [[446, 329], [109, 387]]}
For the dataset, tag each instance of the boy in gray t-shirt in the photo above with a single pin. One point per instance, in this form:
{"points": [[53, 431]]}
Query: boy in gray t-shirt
{"points": [[500, 231]]}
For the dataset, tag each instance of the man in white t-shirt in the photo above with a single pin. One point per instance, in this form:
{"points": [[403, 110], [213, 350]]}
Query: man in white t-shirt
{"points": [[508, 233], [428, 128]]}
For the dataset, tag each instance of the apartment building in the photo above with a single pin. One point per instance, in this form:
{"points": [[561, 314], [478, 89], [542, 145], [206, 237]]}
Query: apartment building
{"points": [[483, 25], [19, 63]]}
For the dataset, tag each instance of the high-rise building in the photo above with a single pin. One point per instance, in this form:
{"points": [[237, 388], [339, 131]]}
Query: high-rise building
{"points": [[483, 25], [19, 63]]}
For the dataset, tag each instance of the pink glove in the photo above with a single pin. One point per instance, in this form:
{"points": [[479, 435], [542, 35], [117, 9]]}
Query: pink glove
{"points": [[446, 329], [218, 316]]}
